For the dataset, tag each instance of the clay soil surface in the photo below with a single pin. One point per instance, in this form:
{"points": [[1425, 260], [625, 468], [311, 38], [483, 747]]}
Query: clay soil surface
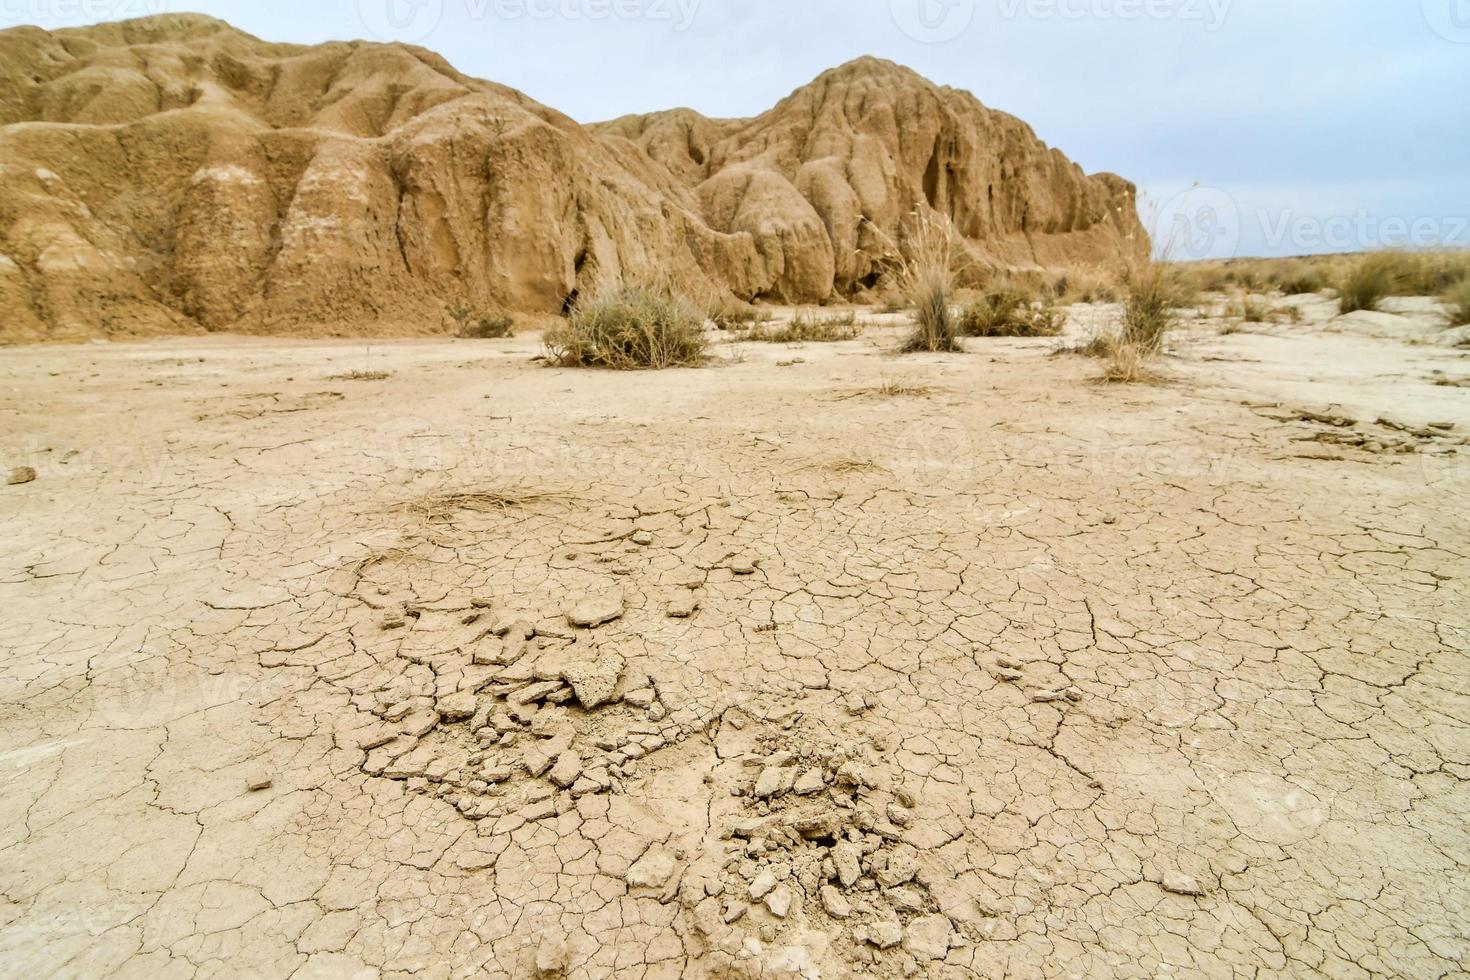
{"points": [[817, 661]]}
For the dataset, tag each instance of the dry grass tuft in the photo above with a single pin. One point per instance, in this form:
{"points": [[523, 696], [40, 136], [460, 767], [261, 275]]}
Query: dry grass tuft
{"points": [[730, 317], [442, 508], [1006, 310], [628, 326], [926, 280], [472, 324], [852, 464], [1371, 278], [806, 329], [362, 376], [902, 389], [1457, 302]]}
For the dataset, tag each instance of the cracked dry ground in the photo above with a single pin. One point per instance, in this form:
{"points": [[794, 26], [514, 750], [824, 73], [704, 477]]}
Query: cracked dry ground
{"points": [[1021, 677]]}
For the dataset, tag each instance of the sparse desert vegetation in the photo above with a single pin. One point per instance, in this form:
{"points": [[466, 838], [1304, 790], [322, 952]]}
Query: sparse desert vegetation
{"points": [[630, 326], [473, 324], [1007, 309], [806, 328], [926, 280], [1457, 303], [376, 607]]}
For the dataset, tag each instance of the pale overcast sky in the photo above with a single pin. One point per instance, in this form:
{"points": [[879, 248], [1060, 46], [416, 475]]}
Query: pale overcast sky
{"points": [[1308, 125]]}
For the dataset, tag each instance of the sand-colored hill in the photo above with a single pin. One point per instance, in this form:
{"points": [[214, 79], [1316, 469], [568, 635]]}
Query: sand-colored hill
{"points": [[173, 174]]}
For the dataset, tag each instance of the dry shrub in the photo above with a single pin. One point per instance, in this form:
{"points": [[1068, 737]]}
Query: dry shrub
{"points": [[1006, 310], [1371, 278], [732, 317], [362, 376], [1251, 310], [1087, 285], [1149, 310], [805, 329], [630, 326], [926, 280], [472, 324], [1457, 303]]}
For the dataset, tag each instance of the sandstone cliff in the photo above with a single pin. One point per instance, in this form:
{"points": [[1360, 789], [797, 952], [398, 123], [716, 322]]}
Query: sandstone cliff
{"points": [[173, 174]]}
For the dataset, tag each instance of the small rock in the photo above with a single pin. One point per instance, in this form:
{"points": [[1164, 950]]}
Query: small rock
{"points": [[642, 539], [596, 611], [768, 783], [683, 606], [258, 779], [21, 474], [836, 905], [733, 911], [496, 774], [1180, 883], [779, 901], [809, 782], [1046, 697], [568, 767], [642, 698], [885, 933], [1007, 675], [763, 884], [457, 707], [742, 566], [537, 760], [594, 682]]}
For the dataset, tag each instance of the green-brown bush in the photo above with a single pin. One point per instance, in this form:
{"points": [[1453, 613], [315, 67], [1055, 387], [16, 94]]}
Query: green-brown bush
{"points": [[1005, 311], [630, 326]]}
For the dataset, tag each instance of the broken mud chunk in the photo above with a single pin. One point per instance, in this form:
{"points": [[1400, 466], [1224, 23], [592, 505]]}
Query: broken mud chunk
{"points": [[683, 606], [258, 779], [457, 707], [596, 611], [594, 682], [19, 475], [834, 903]]}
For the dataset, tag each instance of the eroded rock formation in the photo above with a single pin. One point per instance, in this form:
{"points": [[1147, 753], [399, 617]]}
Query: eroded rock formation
{"points": [[173, 174]]}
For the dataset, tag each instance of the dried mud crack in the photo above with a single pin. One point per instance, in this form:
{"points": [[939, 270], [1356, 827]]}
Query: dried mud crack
{"points": [[589, 678]]}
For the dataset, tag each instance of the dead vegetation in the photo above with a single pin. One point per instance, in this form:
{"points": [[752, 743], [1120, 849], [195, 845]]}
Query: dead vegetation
{"points": [[630, 326], [1457, 303], [472, 324], [442, 507], [803, 328], [362, 376], [1008, 310], [926, 280]]}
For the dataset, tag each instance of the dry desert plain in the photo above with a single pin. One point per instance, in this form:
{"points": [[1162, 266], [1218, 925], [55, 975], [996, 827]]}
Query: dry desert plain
{"points": [[330, 658]]}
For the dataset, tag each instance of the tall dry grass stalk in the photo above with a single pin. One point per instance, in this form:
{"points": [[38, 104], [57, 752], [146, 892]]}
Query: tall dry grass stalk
{"points": [[925, 278], [1457, 303]]}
